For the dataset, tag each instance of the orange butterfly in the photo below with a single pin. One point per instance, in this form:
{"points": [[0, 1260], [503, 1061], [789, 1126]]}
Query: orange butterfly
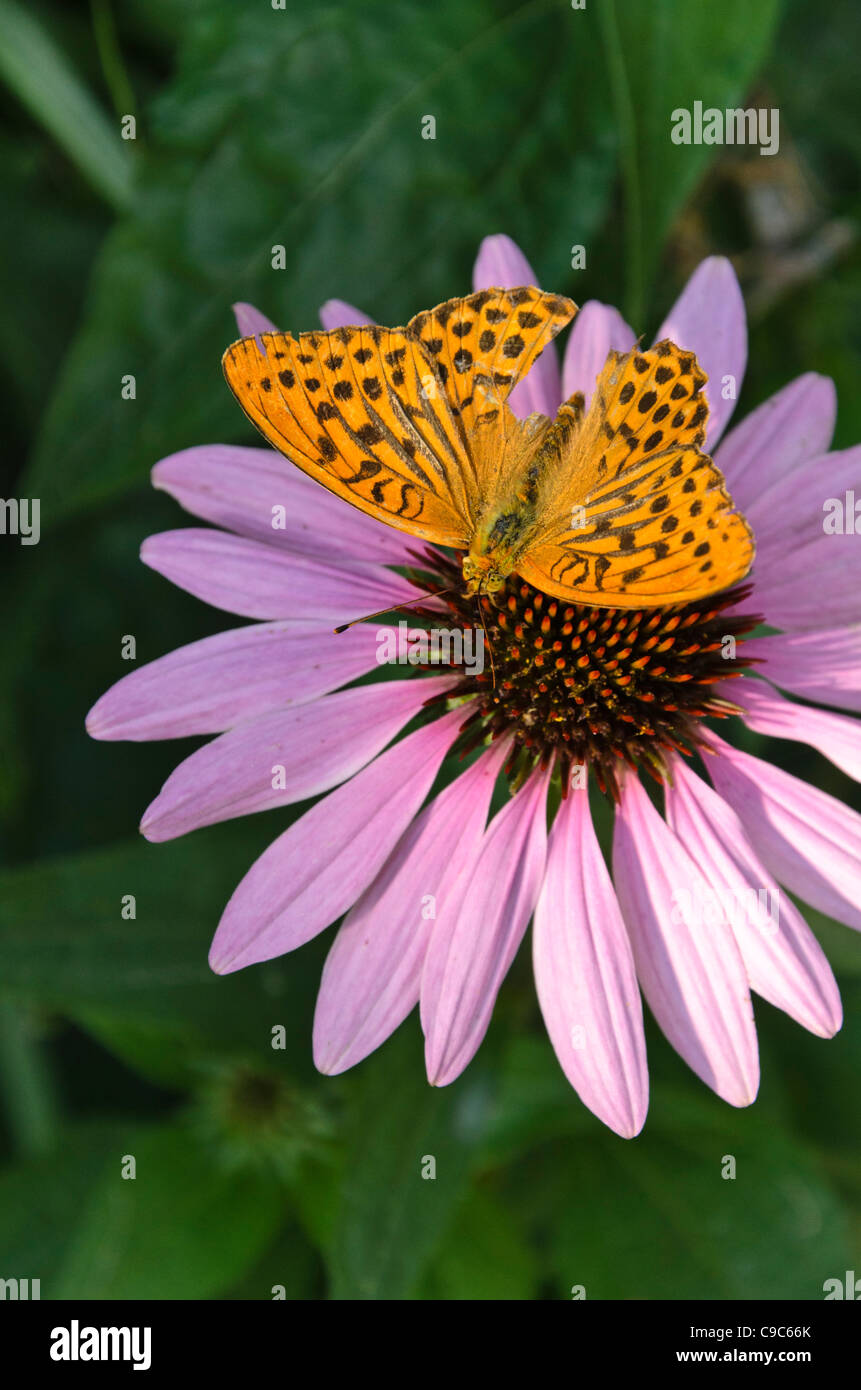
{"points": [[615, 507]]}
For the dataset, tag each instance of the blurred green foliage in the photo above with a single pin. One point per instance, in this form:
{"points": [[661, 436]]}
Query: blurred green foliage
{"points": [[300, 127]]}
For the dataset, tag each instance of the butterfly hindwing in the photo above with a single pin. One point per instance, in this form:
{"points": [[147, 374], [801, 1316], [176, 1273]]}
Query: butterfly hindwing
{"points": [[637, 513], [362, 412]]}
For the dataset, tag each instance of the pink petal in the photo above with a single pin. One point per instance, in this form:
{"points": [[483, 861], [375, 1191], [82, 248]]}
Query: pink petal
{"points": [[821, 665], [836, 736], [691, 972], [784, 961], [244, 490], [597, 329], [318, 868], [285, 756], [501, 264], [470, 953], [336, 313], [807, 839], [792, 513], [213, 684], [585, 977], [372, 975], [258, 581], [776, 439], [250, 321], [804, 587], [709, 319]]}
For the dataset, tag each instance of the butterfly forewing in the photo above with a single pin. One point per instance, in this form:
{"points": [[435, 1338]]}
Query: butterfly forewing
{"points": [[638, 514], [484, 344], [405, 423], [347, 408]]}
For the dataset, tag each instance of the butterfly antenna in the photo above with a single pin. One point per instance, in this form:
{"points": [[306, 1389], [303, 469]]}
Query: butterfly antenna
{"points": [[395, 608], [486, 636]]}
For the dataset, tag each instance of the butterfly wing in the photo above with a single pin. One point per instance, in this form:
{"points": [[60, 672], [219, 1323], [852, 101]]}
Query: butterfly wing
{"points": [[638, 514], [407, 424], [484, 344], [360, 410]]}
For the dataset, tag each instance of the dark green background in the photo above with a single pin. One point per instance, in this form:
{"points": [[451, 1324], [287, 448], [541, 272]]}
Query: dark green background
{"points": [[302, 127]]}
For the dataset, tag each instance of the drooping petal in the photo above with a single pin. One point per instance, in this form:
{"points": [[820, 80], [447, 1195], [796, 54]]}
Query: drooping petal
{"points": [[336, 313], [597, 329], [501, 264], [258, 494], [470, 953], [208, 686], [250, 320], [585, 976], [784, 961], [821, 665], [285, 756], [257, 581], [318, 868], [690, 971], [836, 736], [372, 975], [709, 318], [807, 839], [773, 441]]}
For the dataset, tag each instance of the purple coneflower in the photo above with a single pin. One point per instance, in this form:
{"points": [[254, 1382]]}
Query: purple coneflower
{"points": [[437, 900]]}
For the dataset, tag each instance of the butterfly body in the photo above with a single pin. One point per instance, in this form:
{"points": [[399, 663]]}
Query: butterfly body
{"points": [[510, 517], [615, 507], [495, 548]]}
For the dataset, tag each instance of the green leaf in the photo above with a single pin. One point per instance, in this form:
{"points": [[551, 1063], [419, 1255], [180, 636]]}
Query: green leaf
{"points": [[46, 288], [41, 1201], [484, 1255], [392, 1216], [655, 1218], [179, 1229], [316, 1188], [291, 1264], [532, 1103], [839, 943], [66, 945], [41, 77], [26, 1085], [822, 1078], [367, 209], [663, 56], [167, 1053], [815, 73]]}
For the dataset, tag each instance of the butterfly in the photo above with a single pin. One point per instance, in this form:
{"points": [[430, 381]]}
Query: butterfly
{"points": [[614, 507]]}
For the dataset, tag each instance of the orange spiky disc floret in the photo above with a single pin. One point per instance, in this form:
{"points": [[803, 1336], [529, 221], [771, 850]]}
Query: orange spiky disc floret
{"points": [[600, 687]]}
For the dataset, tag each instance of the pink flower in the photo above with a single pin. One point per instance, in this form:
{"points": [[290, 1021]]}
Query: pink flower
{"points": [[437, 900]]}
